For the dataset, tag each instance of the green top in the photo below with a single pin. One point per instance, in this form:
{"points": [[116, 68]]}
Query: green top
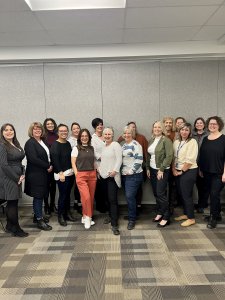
{"points": [[163, 153]]}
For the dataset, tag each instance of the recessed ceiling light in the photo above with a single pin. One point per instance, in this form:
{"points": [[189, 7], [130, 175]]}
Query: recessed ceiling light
{"points": [[74, 4]]}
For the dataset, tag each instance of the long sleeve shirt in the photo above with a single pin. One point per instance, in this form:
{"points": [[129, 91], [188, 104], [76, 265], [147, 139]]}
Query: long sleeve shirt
{"points": [[132, 158]]}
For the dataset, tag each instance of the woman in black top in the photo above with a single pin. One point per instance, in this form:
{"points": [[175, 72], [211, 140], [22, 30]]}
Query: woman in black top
{"points": [[51, 136], [38, 168], [11, 177], [199, 133], [63, 173], [211, 163]]}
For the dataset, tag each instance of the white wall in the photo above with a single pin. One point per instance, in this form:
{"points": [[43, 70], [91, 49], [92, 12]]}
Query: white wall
{"points": [[118, 92]]}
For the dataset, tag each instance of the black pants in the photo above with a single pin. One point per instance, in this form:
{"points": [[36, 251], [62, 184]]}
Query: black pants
{"points": [[51, 192], [203, 192], [64, 195], [185, 184], [214, 185], [12, 216], [139, 195], [101, 204], [159, 188], [111, 190]]}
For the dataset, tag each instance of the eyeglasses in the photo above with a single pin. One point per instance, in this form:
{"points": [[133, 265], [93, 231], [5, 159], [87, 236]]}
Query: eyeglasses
{"points": [[213, 124]]}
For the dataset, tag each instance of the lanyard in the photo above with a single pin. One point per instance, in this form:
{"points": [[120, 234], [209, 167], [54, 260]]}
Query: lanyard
{"points": [[179, 147]]}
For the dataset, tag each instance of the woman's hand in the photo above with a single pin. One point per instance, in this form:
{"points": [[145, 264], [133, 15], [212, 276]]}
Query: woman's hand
{"points": [[159, 175], [22, 177], [200, 173], [62, 177], [223, 177], [148, 173], [50, 169], [112, 174]]}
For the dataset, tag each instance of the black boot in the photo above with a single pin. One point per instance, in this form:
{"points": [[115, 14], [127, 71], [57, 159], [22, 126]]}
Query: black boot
{"points": [[45, 219], [212, 222], [69, 217], [43, 226], [62, 221]]}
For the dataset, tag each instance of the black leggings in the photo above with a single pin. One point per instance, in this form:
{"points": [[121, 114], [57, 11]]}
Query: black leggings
{"points": [[12, 215]]}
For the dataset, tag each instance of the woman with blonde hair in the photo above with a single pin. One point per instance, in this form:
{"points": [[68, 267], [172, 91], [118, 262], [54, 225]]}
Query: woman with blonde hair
{"points": [[160, 155], [38, 168]]}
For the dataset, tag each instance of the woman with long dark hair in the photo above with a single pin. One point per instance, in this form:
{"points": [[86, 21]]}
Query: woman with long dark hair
{"points": [[199, 133], [83, 163], [51, 136], [11, 177], [185, 170]]}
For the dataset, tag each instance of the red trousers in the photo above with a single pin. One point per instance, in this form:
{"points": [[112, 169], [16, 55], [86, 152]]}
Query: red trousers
{"points": [[86, 183]]}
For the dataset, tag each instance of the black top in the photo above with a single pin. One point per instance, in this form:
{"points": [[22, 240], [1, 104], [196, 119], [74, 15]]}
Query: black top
{"points": [[85, 159], [212, 155], [61, 156]]}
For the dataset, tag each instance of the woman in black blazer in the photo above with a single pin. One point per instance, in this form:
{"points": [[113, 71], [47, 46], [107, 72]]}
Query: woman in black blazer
{"points": [[11, 177], [38, 167]]}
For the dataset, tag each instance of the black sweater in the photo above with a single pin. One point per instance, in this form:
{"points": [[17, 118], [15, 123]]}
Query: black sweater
{"points": [[61, 156]]}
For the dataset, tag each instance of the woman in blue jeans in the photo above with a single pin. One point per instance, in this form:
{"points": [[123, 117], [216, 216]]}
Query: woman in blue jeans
{"points": [[132, 173], [160, 155]]}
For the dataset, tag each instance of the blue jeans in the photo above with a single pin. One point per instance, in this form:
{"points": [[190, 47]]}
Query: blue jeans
{"points": [[37, 207], [64, 195], [131, 184]]}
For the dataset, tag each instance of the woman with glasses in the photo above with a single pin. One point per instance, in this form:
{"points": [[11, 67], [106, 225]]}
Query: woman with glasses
{"points": [[185, 171], [63, 173], [212, 166], [38, 168]]}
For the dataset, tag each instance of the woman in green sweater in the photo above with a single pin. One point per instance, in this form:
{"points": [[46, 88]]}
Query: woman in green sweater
{"points": [[159, 158]]}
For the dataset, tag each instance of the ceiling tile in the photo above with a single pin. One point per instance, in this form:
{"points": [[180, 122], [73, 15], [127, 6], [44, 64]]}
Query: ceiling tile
{"points": [[150, 3], [18, 21], [168, 16], [86, 37], [82, 19], [218, 18], [174, 34], [207, 33]]}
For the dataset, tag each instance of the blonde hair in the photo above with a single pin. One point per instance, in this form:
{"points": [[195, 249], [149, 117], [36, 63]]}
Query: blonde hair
{"points": [[36, 124], [171, 119], [127, 128], [108, 129], [161, 125]]}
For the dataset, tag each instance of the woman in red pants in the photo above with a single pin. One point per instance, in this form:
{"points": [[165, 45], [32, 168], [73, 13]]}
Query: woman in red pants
{"points": [[82, 158]]}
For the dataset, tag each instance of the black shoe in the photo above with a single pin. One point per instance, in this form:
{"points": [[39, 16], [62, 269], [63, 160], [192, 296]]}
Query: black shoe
{"points": [[212, 223], [43, 226], [218, 218], [47, 210], [161, 226], [70, 217], [131, 225], [45, 219], [62, 221], [107, 220], [115, 230], [20, 233]]}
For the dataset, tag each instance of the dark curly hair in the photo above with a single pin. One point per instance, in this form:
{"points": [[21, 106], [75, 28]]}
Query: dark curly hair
{"points": [[219, 121]]}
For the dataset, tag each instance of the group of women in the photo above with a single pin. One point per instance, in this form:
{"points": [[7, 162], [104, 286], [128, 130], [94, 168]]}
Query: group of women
{"points": [[99, 166]]}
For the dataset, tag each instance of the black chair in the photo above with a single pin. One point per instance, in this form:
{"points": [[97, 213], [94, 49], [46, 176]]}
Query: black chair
{"points": [[2, 205]]}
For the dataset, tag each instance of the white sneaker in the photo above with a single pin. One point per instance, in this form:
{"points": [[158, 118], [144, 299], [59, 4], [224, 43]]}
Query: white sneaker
{"points": [[83, 220], [87, 223]]}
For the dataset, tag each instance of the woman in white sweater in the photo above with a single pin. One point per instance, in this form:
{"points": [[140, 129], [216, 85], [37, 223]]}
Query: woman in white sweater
{"points": [[109, 170], [185, 171]]}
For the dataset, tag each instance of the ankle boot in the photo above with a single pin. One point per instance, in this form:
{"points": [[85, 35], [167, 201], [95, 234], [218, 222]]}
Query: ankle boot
{"points": [[62, 221], [212, 222], [43, 226]]}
